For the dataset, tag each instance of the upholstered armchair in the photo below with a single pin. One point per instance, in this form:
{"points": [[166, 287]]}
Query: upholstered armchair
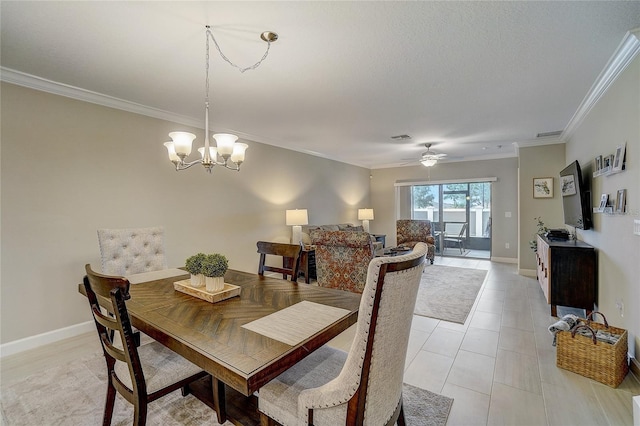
{"points": [[342, 258], [363, 386], [411, 231]]}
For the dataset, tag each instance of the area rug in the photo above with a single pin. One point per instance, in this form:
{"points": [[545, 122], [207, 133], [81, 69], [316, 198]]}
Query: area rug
{"points": [[73, 394], [448, 293]]}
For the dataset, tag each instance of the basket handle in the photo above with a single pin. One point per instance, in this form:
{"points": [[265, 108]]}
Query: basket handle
{"points": [[590, 318], [593, 334]]}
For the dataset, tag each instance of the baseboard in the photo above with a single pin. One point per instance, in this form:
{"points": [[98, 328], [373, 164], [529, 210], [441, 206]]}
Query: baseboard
{"points": [[634, 366], [528, 272], [504, 259], [38, 340]]}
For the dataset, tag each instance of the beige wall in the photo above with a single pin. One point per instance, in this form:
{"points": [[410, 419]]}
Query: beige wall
{"points": [[534, 162], [70, 167], [614, 120], [504, 197]]}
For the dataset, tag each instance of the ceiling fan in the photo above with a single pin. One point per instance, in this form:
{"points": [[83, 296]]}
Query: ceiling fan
{"points": [[430, 158]]}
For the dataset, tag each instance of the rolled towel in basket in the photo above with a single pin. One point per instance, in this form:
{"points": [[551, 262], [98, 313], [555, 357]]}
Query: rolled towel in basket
{"points": [[565, 323]]}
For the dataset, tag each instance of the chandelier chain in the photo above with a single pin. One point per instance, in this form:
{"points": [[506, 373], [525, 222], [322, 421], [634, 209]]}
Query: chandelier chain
{"points": [[252, 67]]}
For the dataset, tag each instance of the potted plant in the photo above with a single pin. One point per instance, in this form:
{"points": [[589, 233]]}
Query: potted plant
{"points": [[214, 266], [193, 265], [542, 229]]}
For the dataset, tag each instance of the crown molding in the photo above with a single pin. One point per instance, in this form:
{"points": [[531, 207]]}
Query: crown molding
{"points": [[42, 84], [621, 58]]}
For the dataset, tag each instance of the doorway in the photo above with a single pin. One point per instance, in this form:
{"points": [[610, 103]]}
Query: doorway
{"points": [[460, 213]]}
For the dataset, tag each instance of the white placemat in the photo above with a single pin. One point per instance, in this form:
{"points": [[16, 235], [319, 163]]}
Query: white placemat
{"points": [[296, 323], [144, 277]]}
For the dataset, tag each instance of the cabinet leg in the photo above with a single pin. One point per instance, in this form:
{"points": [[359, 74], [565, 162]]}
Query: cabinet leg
{"points": [[554, 312]]}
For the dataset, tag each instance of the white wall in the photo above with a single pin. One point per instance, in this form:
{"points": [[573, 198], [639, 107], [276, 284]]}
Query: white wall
{"points": [[503, 198], [70, 167], [615, 119]]}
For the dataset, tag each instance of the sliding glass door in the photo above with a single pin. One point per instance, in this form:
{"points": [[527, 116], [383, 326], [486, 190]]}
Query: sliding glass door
{"points": [[459, 211]]}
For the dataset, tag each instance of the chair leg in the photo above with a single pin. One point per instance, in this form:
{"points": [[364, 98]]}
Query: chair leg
{"points": [[140, 413], [266, 420], [109, 403], [401, 421]]}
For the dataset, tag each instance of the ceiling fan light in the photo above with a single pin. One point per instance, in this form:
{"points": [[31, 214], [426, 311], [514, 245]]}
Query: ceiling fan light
{"points": [[428, 162]]}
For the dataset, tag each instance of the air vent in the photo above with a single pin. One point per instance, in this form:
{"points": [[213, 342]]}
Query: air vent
{"points": [[400, 138], [549, 134]]}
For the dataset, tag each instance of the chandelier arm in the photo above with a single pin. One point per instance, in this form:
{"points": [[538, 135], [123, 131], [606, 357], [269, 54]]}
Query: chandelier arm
{"points": [[252, 67], [183, 166]]}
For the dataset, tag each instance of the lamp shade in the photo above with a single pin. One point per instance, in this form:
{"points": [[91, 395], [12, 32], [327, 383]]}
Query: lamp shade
{"points": [[182, 142], [297, 217], [213, 152], [225, 142], [172, 152], [365, 214], [237, 156]]}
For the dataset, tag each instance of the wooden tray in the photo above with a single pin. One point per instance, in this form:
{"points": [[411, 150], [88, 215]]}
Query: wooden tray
{"points": [[229, 291]]}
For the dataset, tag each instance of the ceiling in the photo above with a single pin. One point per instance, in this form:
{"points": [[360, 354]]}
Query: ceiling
{"points": [[473, 78]]}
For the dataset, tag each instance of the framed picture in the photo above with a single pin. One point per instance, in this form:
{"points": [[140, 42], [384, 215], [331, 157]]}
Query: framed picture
{"points": [[604, 198], [598, 162], [618, 158], [567, 185], [621, 201], [607, 161], [543, 187]]}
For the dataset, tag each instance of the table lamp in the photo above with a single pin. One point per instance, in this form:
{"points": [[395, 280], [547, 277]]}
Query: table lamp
{"points": [[365, 215], [296, 218]]}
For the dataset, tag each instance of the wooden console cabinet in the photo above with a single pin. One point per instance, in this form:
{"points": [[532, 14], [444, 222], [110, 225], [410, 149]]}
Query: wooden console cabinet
{"points": [[567, 273]]}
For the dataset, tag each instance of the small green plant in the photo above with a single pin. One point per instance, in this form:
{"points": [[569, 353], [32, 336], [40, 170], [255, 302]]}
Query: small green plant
{"points": [[193, 264], [214, 265], [542, 229]]}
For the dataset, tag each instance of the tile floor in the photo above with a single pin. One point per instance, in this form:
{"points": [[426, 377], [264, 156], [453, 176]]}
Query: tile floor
{"points": [[499, 366]]}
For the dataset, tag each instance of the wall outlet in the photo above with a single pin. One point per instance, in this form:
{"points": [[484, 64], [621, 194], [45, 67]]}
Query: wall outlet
{"points": [[636, 227], [506, 245], [620, 306], [507, 214]]}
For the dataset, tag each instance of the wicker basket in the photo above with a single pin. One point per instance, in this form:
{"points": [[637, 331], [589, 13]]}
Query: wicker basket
{"points": [[600, 361]]}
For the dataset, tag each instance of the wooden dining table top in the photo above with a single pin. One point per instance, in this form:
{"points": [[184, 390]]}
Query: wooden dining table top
{"points": [[211, 334]]}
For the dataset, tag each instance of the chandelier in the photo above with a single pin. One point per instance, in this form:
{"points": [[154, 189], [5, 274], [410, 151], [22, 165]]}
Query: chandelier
{"points": [[228, 152]]}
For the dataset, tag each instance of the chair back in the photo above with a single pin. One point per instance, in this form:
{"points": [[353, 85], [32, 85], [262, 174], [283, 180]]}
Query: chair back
{"points": [[290, 258], [115, 290], [375, 363], [132, 251], [342, 258], [411, 231]]}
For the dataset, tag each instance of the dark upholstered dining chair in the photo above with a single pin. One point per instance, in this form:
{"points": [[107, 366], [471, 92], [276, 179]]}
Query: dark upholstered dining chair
{"points": [[342, 258], [411, 231], [363, 386], [141, 375], [290, 256]]}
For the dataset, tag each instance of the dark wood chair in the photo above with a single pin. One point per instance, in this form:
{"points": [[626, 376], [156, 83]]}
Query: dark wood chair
{"points": [[332, 387], [457, 240], [290, 254], [141, 375]]}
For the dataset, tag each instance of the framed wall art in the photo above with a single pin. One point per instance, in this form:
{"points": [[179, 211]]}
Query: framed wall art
{"points": [[621, 201], [618, 158], [543, 187], [567, 185]]}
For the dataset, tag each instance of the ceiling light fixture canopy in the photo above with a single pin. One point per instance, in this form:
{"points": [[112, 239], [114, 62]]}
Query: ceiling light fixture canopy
{"points": [[227, 148]]}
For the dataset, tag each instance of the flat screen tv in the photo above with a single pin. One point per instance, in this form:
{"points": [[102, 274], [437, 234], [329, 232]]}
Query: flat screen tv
{"points": [[576, 197]]}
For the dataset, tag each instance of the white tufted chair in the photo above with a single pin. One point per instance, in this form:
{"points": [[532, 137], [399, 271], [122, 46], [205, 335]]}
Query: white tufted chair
{"points": [[132, 251], [364, 386]]}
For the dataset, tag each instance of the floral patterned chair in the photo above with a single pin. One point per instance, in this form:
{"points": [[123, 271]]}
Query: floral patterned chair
{"points": [[342, 258], [412, 231]]}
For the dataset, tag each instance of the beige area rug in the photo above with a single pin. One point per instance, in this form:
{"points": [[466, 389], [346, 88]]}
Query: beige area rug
{"points": [[73, 394], [448, 293]]}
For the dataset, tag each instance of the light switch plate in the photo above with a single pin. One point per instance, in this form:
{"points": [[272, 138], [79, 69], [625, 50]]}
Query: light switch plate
{"points": [[636, 227]]}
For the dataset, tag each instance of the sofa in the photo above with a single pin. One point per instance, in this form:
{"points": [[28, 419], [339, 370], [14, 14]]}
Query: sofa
{"points": [[306, 234]]}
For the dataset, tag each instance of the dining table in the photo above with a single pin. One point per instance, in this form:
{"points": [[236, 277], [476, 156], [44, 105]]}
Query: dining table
{"points": [[243, 342]]}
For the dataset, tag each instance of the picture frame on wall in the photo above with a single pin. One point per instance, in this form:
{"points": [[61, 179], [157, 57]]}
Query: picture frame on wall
{"points": [[543, 187], [567, 185], [618, 158], [604, 199], [621, 201], [607, 161], [598, 163]]}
